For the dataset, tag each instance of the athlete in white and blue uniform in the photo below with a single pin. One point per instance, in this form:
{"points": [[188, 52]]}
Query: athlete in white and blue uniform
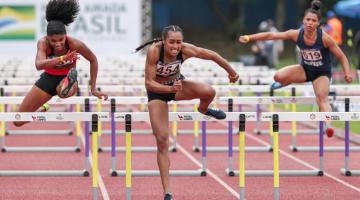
{"points": [[315, 66], [164, 83]]}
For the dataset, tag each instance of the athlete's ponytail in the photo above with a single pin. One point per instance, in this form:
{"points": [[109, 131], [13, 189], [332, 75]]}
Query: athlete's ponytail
{"points": [[164, 34], [147, 43], [60, 13]]}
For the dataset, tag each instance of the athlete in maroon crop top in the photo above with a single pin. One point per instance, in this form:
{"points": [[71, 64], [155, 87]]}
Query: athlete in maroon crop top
{"points": [[164, 83], [56, 55]]}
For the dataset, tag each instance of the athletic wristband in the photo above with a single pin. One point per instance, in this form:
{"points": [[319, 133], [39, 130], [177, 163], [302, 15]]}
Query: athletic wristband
{"points": [[247, 38]]}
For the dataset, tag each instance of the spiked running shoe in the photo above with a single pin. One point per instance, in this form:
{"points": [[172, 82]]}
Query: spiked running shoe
{"points": [[45, 107], [168, 196], [329, 131], [70, 80], [276, 85], [216, 113]]}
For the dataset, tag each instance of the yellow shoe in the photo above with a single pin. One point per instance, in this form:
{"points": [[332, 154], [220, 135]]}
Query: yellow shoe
{"points": [[46, 107]]}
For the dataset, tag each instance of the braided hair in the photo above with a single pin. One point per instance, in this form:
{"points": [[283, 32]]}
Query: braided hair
{"points": [[164, 34], [60, 13]]}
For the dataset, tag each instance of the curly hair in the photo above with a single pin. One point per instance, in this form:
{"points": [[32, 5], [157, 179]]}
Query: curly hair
{"points": [[60, 13]]}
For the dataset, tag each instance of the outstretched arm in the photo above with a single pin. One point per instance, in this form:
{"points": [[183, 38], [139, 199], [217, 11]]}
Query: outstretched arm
{"points": [[90, 56], [335, 49], [287, 35], [190, 50]]}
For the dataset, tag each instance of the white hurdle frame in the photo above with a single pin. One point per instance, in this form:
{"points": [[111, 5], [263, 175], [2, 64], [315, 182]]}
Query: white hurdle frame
{"points": [[293, 100], [286, 116]]}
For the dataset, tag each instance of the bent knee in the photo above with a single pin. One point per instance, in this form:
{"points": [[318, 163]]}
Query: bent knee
{"points": [[209, 92], [278, 78], [18, 124]]}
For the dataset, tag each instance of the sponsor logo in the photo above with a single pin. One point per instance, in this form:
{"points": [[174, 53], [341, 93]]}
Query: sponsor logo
{"points": [[259, 100], [354, 116], [267, 117], [17, 116], [312, 116], [205, 117], [293, 100], [250, 116], [38, 118], [332, 117], [185, 117], [103, 116], [120, 116], [276, 100], [59, 116]]}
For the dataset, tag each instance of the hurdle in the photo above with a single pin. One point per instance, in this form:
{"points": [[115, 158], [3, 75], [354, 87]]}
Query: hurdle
{"points": [[28, 132], [173, 116], [55, 100], [286, 116], [283, 116], [346, 170], [293, 100], [53, 117]]}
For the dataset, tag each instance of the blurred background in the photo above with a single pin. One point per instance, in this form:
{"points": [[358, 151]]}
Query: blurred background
{"points": [[115, 27], [217, 24]]}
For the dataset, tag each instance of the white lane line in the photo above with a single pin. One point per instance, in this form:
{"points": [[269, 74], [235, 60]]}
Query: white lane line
{"points": [[217, 179], [103, 190], [195, 161], [349, 185]]}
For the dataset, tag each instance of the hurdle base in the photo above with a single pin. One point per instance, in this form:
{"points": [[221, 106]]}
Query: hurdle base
{"points": [[41, 149], [199, 172], [134, 132], [326, 148], [350, 172], [230, 172], [226, 149], [281, 173], [136, 149], [288, 132], [44, 173], [39, 132]]}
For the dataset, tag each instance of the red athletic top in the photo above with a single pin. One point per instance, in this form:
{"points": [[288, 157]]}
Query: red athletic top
{"points": [[62, 68]]}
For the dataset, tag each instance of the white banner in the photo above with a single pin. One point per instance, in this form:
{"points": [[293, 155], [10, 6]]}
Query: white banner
{"points": [[107, 27]]}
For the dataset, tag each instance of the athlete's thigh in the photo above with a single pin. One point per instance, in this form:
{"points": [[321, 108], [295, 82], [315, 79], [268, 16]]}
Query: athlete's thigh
{"points": [[321, 86], [34, 99], [159, 116], [193, 90], [292, 74]]}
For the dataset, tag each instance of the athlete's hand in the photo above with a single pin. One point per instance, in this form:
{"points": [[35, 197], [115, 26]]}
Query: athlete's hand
{"points": [[71, 56], [177, 86], [99, 94], [244, 39], [348, 78], [233, 77]]}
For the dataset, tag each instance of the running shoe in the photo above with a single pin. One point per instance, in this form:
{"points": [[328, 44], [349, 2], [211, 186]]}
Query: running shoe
{"points": [[216, 113], [276, 85], [45, 107], [329, 130], [70, 80], [168, 196]]}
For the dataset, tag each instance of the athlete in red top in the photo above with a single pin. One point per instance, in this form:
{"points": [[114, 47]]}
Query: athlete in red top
{"points": [[56, 55]]}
